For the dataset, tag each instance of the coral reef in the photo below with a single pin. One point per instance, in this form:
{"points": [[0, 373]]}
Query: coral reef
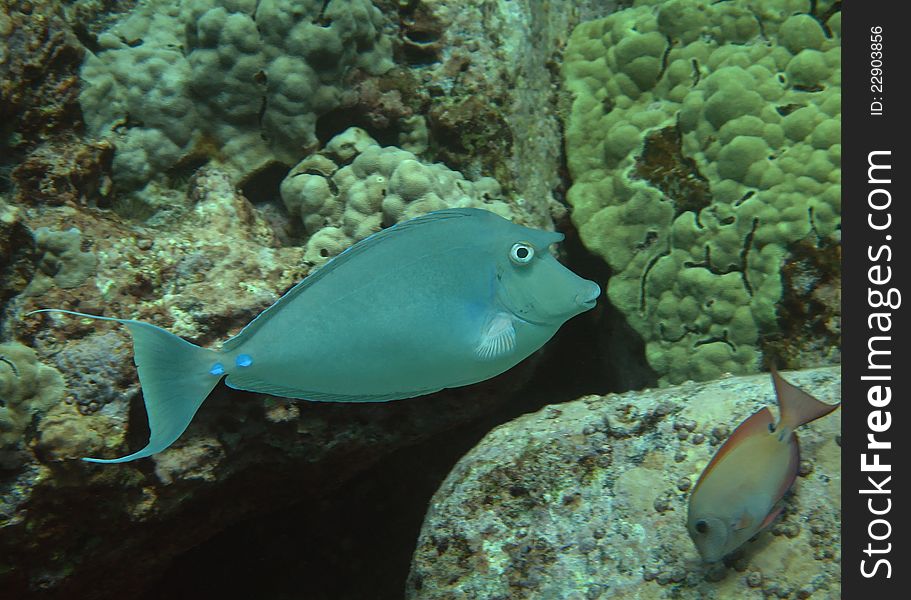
{"points": [[701, 163], [38, 81], [43, 157], [27, 390], [238, 81], [98, 371], [17, 248], [704, 145], [203, 265], [62, 261], [377, 187], [65, 172], [588, 500], [488, 71]]}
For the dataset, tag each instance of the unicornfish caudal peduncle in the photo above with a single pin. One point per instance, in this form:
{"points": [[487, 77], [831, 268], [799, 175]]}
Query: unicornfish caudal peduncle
{"points": [[444, 300], [739, 492]]}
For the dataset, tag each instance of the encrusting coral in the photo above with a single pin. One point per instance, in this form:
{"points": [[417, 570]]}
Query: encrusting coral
{"points": [[377, 187], [239, 81], [28, 389], [62, 261], [704, 142]]}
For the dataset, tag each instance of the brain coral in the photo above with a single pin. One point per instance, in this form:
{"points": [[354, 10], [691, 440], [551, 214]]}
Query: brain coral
{"points": [[236, 80], [703, 142], [377, 187]]}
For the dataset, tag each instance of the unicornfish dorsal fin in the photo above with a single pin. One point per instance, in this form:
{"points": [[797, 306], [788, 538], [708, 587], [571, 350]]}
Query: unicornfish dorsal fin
{"points": [[797, 407]]}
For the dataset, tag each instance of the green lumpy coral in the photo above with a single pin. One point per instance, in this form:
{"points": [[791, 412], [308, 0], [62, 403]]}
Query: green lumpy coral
{"points": [[62, 261], [239, 81], [746, 106], [28, 389]]}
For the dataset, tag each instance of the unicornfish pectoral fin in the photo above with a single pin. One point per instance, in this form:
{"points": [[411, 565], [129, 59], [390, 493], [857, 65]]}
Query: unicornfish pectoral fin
{"points": [[176, 377], [498, 337]]}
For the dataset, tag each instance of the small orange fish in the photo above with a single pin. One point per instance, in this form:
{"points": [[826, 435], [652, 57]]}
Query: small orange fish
{"points": [[738, 493]]}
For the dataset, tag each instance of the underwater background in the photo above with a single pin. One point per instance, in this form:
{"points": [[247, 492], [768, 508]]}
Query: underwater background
{"points": [[186, 162]]}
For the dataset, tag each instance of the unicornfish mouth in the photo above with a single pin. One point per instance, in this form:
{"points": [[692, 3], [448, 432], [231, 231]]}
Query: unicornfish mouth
{"points": [[589, 297]]}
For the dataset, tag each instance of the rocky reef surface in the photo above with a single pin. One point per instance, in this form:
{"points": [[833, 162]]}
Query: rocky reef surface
{"points": [[71, 391], [587, 500], [199, 238], [184, 163]]}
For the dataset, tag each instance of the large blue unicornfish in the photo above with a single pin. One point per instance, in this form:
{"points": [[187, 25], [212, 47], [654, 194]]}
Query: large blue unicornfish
{"points": [[444, 300]]}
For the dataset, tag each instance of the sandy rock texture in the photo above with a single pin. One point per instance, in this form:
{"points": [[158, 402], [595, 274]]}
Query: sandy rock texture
{"points": [[588, 500]]}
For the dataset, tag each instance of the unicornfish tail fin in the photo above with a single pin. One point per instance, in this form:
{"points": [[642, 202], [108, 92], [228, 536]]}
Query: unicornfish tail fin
{"points": [[176, 378], [796, 406]]}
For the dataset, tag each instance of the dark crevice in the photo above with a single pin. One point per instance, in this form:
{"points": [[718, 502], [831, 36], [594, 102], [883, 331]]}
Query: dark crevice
{"points": [[744, 257], [662, 331], [11, 364], [321, 18], [644, 280], [264, 185], [823, 18], [88, 39], [706, 263], [787, 109], [714, 340], [336, 121], [762, 32], [745, 197], [664, 58]]}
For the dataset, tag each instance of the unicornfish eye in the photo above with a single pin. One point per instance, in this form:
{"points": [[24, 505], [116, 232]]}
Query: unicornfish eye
{"points": [[702, 526], [521, 253]]}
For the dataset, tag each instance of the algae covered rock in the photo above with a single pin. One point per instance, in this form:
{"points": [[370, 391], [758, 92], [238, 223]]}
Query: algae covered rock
{"points": [[704, 146], [17, 248], [589, 500]]}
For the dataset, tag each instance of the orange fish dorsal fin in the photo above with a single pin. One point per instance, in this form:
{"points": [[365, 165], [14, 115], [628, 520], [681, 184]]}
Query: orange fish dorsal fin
{"points": [[759, 422], [797, 407]]}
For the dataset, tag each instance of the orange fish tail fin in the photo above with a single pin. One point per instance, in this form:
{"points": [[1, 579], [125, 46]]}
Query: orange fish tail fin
{"points": [[797, 407]]}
